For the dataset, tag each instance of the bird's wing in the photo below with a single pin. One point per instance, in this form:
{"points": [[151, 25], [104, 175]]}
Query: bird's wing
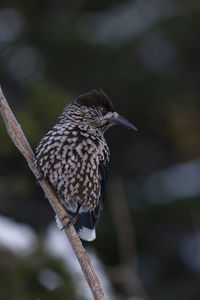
{"points": [[87, 221], [103, 169]]}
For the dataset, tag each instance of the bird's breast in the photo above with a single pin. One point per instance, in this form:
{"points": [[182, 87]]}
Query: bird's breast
{"points": [[70, 159]]}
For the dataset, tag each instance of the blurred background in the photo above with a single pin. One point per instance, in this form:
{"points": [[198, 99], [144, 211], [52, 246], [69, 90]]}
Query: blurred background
{"points": [[145, 55]]}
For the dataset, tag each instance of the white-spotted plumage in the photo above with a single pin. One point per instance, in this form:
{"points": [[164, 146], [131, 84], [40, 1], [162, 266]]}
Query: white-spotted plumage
{"points": [[74, 155]]}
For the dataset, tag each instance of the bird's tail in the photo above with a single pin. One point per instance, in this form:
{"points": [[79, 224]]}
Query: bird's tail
{"points": [[85, 223], [85, 226]]}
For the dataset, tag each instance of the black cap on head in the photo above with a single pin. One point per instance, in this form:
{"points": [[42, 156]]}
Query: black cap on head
{"points": [[95, 98]]}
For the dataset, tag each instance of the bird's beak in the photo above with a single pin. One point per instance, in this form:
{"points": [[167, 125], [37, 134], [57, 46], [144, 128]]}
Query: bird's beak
{"points": [[119, 120]]}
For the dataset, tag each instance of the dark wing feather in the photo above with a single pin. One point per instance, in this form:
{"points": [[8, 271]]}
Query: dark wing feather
{"points": [[90, 219], [103, 169]]}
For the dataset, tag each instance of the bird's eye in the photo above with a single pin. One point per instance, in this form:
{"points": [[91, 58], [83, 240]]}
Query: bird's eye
{"points": [[104, 111]]}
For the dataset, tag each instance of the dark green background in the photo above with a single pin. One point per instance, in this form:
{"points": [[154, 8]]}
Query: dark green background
{"points": [[146, 56]]}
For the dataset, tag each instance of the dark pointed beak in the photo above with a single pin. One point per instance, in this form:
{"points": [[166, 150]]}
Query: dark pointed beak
{"points": [[119, 120]]}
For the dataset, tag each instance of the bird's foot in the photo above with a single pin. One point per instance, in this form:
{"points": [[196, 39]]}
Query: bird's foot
{"points": [[72, 221]]}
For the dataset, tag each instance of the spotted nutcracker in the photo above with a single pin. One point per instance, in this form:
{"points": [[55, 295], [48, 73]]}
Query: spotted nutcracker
{"points": [[74, 156]]}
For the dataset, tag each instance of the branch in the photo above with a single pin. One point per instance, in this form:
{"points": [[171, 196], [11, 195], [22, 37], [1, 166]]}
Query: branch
{"points": [[17, 136]]}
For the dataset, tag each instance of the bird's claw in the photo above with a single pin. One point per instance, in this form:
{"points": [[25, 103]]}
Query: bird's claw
{"points": [[71, 222]]}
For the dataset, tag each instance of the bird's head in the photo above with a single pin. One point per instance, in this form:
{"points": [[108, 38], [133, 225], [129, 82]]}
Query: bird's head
{"points": [[94, 110]]}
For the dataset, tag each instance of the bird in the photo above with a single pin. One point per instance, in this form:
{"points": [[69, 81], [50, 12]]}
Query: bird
{"points": [[73, 156]]}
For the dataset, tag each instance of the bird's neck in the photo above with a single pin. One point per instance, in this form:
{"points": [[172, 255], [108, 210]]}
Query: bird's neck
{"points": [[97, 132], [75, 125]]}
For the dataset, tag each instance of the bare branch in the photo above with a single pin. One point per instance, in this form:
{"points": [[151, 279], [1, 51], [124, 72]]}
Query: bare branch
{"points": [[16, 134]]}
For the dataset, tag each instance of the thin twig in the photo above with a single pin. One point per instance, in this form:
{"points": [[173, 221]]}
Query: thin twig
{"points": [[16, 134]]}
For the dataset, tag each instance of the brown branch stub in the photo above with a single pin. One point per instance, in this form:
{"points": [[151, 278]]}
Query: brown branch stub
{"points": [[17, 136]]}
